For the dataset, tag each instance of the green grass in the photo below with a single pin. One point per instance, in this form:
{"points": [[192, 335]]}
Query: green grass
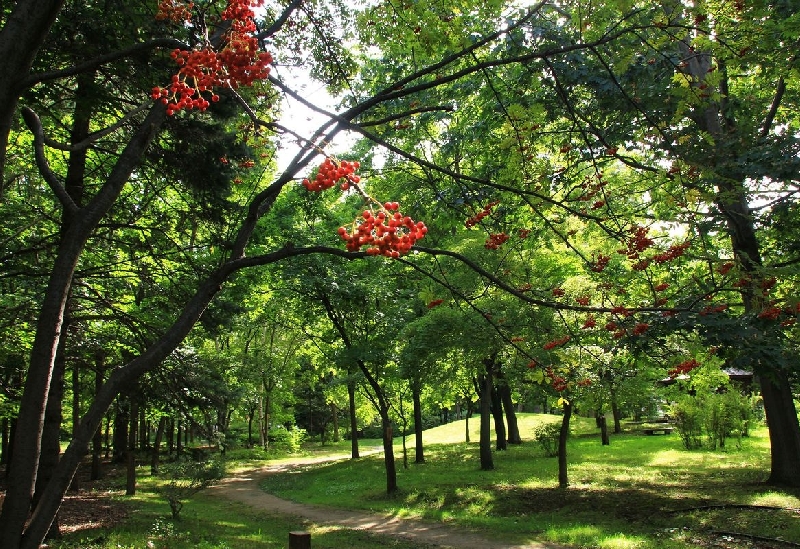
{"points": [[642, 492], [208, 522], [634, 493]]}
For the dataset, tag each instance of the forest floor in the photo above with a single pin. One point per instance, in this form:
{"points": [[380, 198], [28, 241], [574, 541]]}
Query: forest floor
{"points": [[244, 487]]}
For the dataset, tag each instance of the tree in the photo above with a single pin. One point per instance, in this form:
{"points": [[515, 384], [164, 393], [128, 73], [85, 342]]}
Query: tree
{"points": [[555, 98]]}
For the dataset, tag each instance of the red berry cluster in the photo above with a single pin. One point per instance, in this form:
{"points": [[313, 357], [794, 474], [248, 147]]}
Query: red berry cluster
{"points": [[559, 383], [637, 243], [238, 63], [600, 263], [725, 268], [683, 368], [477, 218], [495, 241], [435, 303], [385, 233], [331, 172], [771, 313], [589, 323], [175, 11], [675, 251], [558, 292], [556, 343], [591, 188]]}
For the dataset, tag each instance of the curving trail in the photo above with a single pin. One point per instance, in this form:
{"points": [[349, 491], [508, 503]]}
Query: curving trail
{"points": [[244, 487]]}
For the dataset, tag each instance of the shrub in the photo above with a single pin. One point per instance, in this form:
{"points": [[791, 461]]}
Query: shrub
{"points": [[547, 435], [286, 440], [185, 478], [688, 420]]}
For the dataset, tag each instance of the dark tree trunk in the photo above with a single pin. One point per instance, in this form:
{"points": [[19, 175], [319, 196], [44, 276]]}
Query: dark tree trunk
{"points": [[499, 424], [388, 451], [156, 450], [51, 433], [511, 417], [484, 383], [466, 421], [119, 440], [5, 425], [97, 448], [351, 410], [615, 411], [335, 416], [130, 453], [781, 422], [251, 414], [170, 436], [76, 410], [419, 452], [24, 31], [179, 439], [732, 202], [603, 424], [563, 435]]}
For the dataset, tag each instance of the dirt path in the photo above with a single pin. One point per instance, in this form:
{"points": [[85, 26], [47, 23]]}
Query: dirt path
{"points": [[244, 488]]}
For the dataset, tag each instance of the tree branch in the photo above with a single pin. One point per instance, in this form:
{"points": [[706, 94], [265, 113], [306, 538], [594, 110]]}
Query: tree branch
{"points": [[35, 125]]}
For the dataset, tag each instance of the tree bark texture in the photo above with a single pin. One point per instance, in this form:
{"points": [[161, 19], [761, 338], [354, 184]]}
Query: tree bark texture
{"points": [[419, 451], [484, 382], [504, 391], [351, 410], [563, 435]]}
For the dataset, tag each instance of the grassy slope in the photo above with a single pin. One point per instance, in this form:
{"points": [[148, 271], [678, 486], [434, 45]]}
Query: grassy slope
{"points": [[632, 493]]}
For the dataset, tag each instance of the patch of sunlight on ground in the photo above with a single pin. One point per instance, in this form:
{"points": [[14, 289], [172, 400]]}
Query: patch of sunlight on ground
{"points": [[580, 534], [668, 458], [620, 541], [474, 500], [773, 499]]}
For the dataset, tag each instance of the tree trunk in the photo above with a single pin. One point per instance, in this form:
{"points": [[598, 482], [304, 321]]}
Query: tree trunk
{"points": [[119, 440], [563, 435], [388, 451], [51, 434], [24, 31], [5, 425], [335, 414], [155, 452], [416, 395], [615, 411], [130, 453], [601, 420], [732, 201], [485, 394], [351, 409], [781, 422], [179, 439], [511, 417], [499, 424], [263, 437]]}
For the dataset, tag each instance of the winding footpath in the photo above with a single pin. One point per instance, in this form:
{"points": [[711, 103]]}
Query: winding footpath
{"points": [[244, 487]]}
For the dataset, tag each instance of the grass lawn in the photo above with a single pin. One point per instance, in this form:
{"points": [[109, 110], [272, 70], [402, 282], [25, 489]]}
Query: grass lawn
{"points": [[641, 491]]}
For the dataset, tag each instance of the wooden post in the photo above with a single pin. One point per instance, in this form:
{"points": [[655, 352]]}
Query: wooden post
{"points": [[299, 540]]}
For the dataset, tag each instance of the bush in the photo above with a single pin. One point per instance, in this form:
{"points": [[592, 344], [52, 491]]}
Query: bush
{"points": [[185, 478], [714, 417], [547, 435], [688, 420], [286, 440]]}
